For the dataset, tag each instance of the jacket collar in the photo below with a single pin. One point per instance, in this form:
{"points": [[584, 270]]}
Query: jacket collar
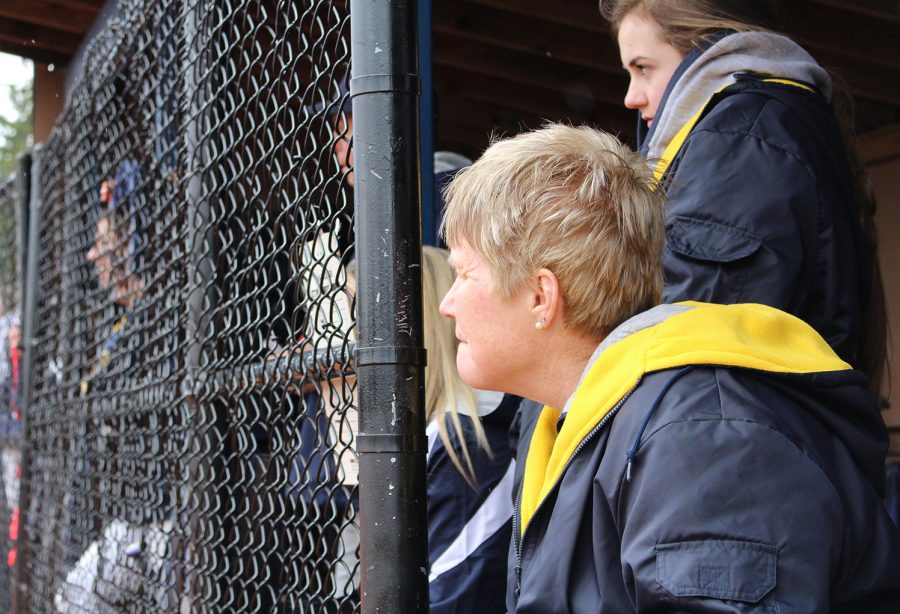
{"points": [[750, 336], [707, 70]]}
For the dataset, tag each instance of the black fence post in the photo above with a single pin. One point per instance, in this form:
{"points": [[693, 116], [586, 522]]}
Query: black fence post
{"points": [[26, 370], [390, 358]]}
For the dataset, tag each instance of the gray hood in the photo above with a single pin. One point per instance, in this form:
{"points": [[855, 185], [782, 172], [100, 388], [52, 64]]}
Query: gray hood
{"points": [[760, 53]]}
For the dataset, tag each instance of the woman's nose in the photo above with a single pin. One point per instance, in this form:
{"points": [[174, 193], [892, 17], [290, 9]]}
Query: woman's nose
{"points": [[446, 307], [635, 97]]}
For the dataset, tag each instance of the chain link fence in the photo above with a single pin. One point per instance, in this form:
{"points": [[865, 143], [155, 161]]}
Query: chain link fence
{"points": [[191, 424], [10, 426]]}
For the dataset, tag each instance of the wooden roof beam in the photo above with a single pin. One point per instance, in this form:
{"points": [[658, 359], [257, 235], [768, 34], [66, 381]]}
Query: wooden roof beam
{"points": [[573, 13], [586, 49], [41, 38], [885, 10], [869, 41], [487, 60], [535, 101], [506, 30], [49, 14], [93, 6]]}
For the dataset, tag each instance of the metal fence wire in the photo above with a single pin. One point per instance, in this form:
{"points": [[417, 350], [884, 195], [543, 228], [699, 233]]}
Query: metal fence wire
{"points": [[10, 426], [192, 418]]}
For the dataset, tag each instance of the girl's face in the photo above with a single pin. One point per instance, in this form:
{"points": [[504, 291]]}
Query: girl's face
{"points": [[650, 62]]}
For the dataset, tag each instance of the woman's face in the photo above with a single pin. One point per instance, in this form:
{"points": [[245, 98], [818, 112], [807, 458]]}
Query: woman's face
{"points": [[493, 332], [650, 62]]}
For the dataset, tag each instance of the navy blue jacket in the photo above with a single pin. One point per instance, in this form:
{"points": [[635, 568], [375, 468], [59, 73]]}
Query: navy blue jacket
{"points": [[678, 484], [761, 210]]}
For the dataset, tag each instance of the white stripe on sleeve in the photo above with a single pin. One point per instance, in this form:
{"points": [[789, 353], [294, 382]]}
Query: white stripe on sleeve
{"points": [[491, 516]]}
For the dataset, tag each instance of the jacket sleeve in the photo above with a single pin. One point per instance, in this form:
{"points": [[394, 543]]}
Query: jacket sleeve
{"points": [[741, 217], [727, 516], [469, 528]]}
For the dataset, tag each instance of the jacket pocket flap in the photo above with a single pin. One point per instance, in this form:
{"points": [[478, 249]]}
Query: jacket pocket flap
{"points": [[707, 240], [721, 569]]}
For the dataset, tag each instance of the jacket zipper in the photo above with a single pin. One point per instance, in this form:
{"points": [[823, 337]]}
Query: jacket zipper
{"points": [[520, 541]]}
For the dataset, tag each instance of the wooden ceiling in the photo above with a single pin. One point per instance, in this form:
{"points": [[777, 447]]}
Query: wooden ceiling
{"points": [[46, 31], [504, 65]]}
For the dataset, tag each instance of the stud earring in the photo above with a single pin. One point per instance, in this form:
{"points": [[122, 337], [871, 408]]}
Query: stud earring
{"points": [[540, 324]]}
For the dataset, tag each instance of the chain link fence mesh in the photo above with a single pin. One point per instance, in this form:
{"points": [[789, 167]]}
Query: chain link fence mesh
{"points": [[10, 426], [192, 419]]}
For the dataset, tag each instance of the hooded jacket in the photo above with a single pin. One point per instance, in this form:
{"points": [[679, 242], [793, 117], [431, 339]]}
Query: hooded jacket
{"points": [[760, 197], [712, 459]]}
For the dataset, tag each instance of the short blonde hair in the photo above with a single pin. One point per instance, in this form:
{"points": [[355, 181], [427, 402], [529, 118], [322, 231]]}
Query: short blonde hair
{"points": [[575, 201]]}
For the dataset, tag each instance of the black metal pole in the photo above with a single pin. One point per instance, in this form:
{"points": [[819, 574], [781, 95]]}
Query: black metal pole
{"points": [[390, 358], [26, 371]]}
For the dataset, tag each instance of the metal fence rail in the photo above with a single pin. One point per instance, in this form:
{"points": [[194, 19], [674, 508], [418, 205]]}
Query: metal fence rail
{"points": [[191, 416]]}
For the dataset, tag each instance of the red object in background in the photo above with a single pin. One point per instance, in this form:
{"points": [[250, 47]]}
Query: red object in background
{"points": [[13, 537], [14, 407], [106, 189], [14, 364]]}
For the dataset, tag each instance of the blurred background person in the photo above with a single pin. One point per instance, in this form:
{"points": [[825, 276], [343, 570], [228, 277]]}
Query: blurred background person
{"points": [[446, 165]]}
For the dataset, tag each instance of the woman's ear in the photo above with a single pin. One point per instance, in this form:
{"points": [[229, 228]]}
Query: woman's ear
{"points": [[547, 298]]}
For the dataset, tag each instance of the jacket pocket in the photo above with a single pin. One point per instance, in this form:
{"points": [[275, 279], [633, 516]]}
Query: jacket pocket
{"points": [[717, 568], [705, 240]]}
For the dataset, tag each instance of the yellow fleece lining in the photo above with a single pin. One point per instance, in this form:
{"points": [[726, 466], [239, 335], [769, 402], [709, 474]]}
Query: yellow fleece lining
{"points": [[749, 336]]}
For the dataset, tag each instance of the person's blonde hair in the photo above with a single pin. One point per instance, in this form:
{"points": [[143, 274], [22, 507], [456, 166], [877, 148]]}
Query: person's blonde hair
{"points": [[687, 24], [575, 201], [445, 391]]}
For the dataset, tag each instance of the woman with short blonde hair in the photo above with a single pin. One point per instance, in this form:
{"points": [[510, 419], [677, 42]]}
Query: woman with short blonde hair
{"points": [[689, 457]]}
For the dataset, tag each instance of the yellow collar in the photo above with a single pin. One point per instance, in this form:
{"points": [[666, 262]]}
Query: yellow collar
{"points": [[750, 336]]}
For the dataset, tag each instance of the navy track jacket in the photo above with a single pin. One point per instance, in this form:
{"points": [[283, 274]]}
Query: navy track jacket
{"points": [[717, 459]]}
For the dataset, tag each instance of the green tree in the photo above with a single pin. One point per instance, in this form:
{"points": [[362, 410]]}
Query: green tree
{"points": [[15, 131]]}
